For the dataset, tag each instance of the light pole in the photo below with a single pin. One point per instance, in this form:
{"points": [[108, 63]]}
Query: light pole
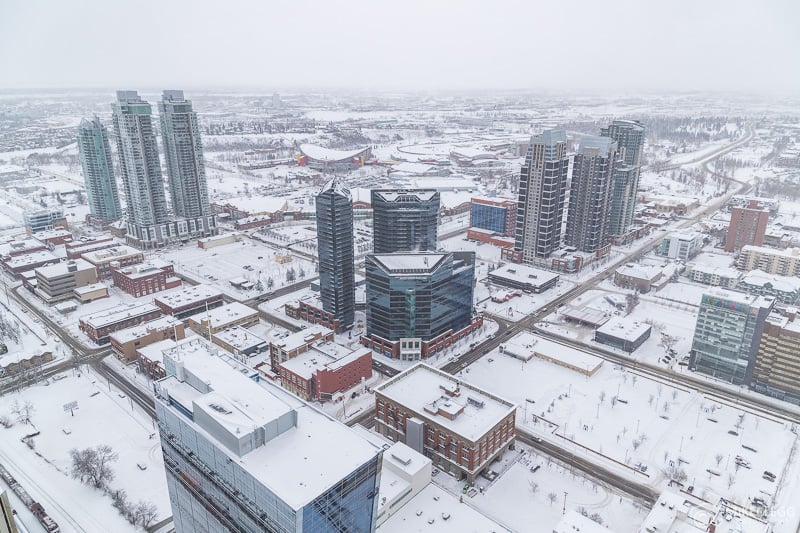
{"points": [[564, 508]]}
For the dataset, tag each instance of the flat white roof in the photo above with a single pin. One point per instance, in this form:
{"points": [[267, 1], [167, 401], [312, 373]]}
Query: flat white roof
{"points": [[115, 253], [417, 262], [112, 316], [326, 355], [145, 269], [61, 269], [299, 464], [739, 297], [239, 337], [759, 278], [224, 314], [135, 332], [621, 328], [543, 347], [723, 272], [187, 295], [646, 272], [524, 274], [788, 252], [30, 259], [421, 385], [302, 337], [88, 289]]}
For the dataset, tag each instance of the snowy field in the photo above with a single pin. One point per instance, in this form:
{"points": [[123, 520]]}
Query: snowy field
{"points": [[629, 421], [44, 471]]}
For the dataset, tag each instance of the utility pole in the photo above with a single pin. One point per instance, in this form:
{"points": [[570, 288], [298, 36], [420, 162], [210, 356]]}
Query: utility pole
{"points": [[564, 508]]}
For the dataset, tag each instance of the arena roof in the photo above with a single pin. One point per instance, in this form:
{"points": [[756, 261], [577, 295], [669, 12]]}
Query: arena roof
{"points": [[320, 153]]}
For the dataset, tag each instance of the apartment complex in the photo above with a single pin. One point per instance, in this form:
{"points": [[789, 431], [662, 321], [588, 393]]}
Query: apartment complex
{"points": [[404, 220], [590, 196], [784, 262], [460, 427], [747, 227], [777, 367], [629, 136], [335, 248], [98, 171]]}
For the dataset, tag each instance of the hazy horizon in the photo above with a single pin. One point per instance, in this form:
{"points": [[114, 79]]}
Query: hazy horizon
{"points": [[469, 46]]}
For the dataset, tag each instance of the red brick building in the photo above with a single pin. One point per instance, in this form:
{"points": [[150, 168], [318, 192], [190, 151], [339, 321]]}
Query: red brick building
{"points": [[304, 310], [426, 348], [460, 427], [187, 301], [146, 278], [77, 248], [324, 370], [112, 258], [100, 325], [747, 227], [295, 344]]}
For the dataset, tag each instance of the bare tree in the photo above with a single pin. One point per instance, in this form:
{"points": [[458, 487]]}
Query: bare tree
{"points": [[718, 458], [534, 487], [145, 513], [93, 465], [551, 496], [602, 396], [667, 342]]}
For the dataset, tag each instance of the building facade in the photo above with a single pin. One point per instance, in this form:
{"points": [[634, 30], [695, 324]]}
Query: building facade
{"points": [[460, 427], [542, 193], [497, 215], [590, 195], [682, 246], [335, 247], [777, 366], [57, 282], [146, 278], [325, 370], [782, 262], [125, 343], [416, 298], [140, 168], [747, 227], [629, 136], [44, 219], [404, 220], [99, 326], [98, 171], [727, 334], [238, 453], [186, 171]]}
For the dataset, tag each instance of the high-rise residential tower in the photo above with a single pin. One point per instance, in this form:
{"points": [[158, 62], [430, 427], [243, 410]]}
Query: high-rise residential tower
{"points": [[98, 171], [542, 192], [404, 220], [748, 226], [183, 152], [336, 251], [590, 195], [141, 169], [629, 136]]}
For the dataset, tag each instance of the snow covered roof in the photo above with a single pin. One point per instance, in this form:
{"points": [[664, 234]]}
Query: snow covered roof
{"points": [[32, 258], [524, 274], [788, 252], [723, 272], [717, 293], [188, 295], [409, 263], [393, 195], [128, 334], [116, 314], [625, 329], [296, 461], [427, 391], [337, 186], [324, 355], [639, 271], [239, 337], [320, 153], [302, 337], [257, 205], [62, 269], [224, 314], [759, 278], [111, 254]]}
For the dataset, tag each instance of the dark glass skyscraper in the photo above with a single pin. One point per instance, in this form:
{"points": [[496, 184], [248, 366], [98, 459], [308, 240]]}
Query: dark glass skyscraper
{"points": [[418, 296], [590, 194], [98, 171], [542, 193], [629, 136], [336, 253], [404, 220]]}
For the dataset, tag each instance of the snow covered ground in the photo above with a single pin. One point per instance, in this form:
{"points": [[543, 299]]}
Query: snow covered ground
{"points": [[44, 471]]}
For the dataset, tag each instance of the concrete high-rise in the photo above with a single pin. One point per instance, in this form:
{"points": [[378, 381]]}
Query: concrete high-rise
{"points": [[141, 169], [590, 195], [542, 192], [777, 367], [728, 333], [98, 171], [183, 152], [629, 136], [336, 251], [748, 226], [404, 220]]}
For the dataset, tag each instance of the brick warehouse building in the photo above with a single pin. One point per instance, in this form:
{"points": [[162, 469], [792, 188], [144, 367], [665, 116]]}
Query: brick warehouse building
{"points": [[146, 278], [187, 301], [460, 427], [324, 370]]}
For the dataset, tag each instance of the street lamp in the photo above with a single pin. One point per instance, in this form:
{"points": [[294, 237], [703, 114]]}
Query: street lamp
{"points": [[564, 508]]}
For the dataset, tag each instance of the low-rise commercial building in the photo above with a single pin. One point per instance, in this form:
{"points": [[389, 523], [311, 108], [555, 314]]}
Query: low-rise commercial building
{"points": [[57, 282], [710, 275], [295, 344], [113, 258], [681, 245], [627, 335], [525, 346], [223, 317], [404, 474], [526, 278], [126, 342], [187, 301], [240, 342], [146, 278], [462, 428], [99, 326], [639, 277], [90, 293], [18, 265], [325, 369], [77, 248]]}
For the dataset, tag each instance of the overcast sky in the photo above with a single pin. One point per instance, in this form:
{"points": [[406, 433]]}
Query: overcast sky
{"points": [[617, 45]]}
